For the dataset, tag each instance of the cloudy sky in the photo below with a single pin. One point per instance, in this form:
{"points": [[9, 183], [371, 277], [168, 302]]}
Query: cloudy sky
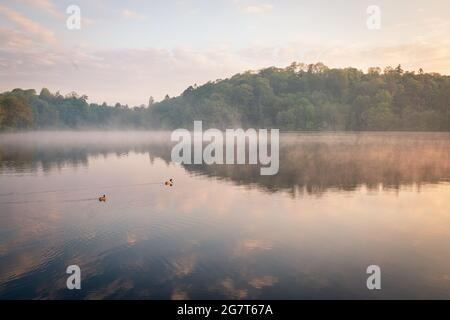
{"points": [[129, 50]]}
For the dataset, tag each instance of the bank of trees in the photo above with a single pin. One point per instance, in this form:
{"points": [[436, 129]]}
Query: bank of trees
{"points": [[25, 109], [315, 97], [299, 97]]}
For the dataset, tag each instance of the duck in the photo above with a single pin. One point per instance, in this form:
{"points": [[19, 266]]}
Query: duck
{"points": [[102, 198], [169, 183]]}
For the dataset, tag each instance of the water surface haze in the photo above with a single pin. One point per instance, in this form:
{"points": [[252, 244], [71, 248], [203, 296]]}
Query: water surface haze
{"points": [[339, 203]]}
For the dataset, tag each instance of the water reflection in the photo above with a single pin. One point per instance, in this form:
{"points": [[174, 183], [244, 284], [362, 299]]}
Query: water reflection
{"points": [[209, 238], [309, 163]]}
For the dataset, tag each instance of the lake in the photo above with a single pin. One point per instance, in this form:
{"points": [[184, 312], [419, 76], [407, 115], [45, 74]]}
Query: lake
{"points": [[339, 203]]}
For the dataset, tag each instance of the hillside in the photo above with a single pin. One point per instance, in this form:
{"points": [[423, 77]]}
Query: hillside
{"points": [[315, 97], [299, 97]]}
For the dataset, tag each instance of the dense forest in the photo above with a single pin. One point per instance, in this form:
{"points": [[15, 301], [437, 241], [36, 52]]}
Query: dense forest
{"points": [[299, 97], [24, 109]]}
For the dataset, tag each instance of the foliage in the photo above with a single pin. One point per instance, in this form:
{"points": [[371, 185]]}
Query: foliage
{"points": [[299, 97], [314, 97], [20, 109]]}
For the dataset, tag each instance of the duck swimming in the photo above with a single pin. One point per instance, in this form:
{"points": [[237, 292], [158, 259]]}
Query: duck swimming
{"points": [[169, 183], [102, 198]]}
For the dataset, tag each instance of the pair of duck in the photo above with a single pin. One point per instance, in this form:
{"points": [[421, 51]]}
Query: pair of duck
{"points": [[167, 183]]}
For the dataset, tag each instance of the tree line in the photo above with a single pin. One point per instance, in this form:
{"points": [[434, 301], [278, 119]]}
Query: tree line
{"points": [[298, 97], [25, 109]]}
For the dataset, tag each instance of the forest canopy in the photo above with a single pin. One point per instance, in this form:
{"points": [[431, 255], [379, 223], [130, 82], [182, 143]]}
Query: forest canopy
{"points": [[298, 97]]}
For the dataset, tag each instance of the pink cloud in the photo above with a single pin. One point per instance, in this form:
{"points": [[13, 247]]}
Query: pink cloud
{"points": [[45, 5], [28, 25]]}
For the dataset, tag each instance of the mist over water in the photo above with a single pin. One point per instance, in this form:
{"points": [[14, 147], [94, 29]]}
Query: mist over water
{"points": [[340, 202]]}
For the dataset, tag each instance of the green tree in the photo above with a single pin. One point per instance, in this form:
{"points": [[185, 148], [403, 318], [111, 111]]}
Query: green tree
{"points": [[15, 113]]}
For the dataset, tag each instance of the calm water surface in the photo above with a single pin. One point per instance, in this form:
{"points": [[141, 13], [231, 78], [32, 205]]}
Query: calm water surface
{"points": [[339, 203]]}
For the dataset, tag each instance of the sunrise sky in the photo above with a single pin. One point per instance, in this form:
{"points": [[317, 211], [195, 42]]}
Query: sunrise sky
{"points": [[127, 51]]}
